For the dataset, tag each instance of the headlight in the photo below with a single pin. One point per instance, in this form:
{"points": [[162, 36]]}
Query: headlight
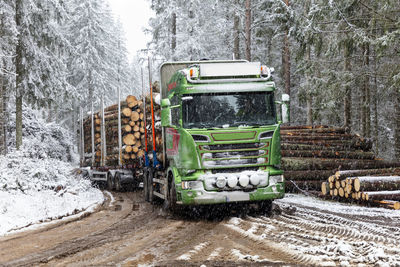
{"points": [[190, 184], [276, 179], [220, 182], [244, 180], [232, 181], [255, 179]]}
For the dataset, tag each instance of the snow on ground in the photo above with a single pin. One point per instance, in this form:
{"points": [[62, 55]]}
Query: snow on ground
{"points": [[334, 206], [37, 184]]}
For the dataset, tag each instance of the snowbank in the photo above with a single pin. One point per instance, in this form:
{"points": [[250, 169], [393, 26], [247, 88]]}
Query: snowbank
{"points": [[38, 183]]}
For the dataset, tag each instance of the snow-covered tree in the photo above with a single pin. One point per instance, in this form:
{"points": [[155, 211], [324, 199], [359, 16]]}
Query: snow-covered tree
{"points": [[8, 38]]}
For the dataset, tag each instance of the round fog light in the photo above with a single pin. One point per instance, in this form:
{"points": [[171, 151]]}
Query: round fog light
{"points": [[254, 179], [244, 180], [232, 181], [220, 182]]}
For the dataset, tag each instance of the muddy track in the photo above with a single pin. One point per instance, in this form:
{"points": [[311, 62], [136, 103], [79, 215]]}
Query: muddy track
{"points": [[129, 232]]}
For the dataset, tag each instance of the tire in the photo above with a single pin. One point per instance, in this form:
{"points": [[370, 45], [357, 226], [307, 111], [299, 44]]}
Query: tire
{"points": [[110, 184], [150, 185], [146, 186], [170, 202], [266, 207], [117, 182]]}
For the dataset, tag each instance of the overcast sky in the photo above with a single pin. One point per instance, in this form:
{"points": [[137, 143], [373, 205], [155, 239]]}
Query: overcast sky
{"points": [[134, 15]]}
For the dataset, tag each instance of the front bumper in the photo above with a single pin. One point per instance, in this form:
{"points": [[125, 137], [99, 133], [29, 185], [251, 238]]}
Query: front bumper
{"points": [[198, 195]]}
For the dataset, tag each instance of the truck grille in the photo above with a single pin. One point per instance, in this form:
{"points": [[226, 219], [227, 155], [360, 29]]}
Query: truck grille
{"points": [[234, 155]]}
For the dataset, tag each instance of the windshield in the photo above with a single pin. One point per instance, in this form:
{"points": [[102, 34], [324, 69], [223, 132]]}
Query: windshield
{"points": [[228, 110]]}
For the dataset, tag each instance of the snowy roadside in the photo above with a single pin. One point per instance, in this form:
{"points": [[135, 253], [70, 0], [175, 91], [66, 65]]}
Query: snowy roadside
{"points": [[40, 190], [337, 207], [37, 183]]}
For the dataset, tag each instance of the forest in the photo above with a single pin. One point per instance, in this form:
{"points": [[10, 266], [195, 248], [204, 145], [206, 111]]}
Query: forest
{"points": [[338, 60]]}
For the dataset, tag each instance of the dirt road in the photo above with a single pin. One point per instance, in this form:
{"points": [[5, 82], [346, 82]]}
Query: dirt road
{"points": [[131, 232]]}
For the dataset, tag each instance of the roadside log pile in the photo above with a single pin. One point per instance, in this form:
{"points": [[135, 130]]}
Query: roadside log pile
{"points": [[378, 187], [311, 154]]}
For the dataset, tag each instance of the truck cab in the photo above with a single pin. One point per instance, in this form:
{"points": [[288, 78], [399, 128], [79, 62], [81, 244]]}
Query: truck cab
{"points": [[221, 133]]}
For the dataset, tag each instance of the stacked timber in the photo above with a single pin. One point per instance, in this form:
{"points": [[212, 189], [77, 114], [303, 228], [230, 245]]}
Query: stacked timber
{"points": [[88, 132], [132, 130], [371, 186], [136, 125], [310, 154]]}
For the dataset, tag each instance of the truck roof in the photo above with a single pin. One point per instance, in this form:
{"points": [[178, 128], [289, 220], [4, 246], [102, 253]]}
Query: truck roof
{"points": [[168, 69]]}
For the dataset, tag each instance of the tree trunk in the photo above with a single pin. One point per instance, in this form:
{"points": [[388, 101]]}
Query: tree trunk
{"points": [[298, 164], [333, 144], [376, 183], [20, 71], [376, 172], [236, 39], [365, 96], [173, 33], [347, 93], [382, 195], [309, 110], [248, 30], [18, 122], [285, 130], [286, 58], [328, 154], [318, 175], [397, 124], [319, 137], [3, 120]]}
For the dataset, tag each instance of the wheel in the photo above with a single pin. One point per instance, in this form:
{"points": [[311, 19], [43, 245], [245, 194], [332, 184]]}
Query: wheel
{"points": [[266, 207], [150, 186], [117, 181], [146, 186], [110, 184], [170, 202]]}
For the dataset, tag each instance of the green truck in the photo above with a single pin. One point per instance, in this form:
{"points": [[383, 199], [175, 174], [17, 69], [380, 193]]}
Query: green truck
{"points": [[221, 140]]}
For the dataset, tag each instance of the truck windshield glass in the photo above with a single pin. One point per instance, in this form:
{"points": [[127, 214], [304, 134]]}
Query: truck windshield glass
{"points": [[228, 110]]}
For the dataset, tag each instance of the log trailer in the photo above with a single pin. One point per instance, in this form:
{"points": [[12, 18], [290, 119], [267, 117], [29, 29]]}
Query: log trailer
{"points": [[220, 136]]}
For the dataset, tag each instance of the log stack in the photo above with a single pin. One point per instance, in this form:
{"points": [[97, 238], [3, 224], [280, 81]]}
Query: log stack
{"points": [[133, 129], [371, 186], [87, 127], [132, 133], [310, 154]]}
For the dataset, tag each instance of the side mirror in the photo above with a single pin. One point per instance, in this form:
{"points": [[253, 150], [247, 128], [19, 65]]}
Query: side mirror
{"points": [[285, 108], [166, 116]]}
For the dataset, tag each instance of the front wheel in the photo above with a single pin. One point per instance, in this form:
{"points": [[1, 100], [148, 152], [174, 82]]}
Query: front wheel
{"points": [[170, 202], [266, 207]]}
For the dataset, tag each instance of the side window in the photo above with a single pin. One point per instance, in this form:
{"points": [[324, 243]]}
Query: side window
{"points": [[175, 112]]}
